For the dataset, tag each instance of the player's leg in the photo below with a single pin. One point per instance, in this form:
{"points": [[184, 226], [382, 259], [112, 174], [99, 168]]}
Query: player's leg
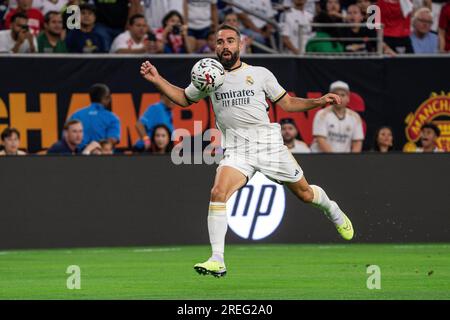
{"points": [[227, 181], [316, 196]]}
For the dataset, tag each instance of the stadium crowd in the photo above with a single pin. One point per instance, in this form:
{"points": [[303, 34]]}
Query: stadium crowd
{"points": [[187, 26]]}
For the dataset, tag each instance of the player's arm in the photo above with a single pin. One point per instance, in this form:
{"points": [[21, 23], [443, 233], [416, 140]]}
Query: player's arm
{"points": [[357, 146], [295, 104], [324, 146], [176, 94]]}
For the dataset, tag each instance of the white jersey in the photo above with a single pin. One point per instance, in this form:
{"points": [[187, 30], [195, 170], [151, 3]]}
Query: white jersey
{"points": [[291, 21], [199, 13], [125, 41], [262, 7], [300, 147], [339, 132], [241, 108]]}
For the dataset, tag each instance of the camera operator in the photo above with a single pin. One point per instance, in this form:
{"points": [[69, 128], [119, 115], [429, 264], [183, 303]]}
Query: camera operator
{"points": [[173, 36], [18, 39]]}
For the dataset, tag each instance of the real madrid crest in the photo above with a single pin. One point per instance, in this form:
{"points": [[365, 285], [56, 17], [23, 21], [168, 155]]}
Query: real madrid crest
{"points": [[249, 80]]}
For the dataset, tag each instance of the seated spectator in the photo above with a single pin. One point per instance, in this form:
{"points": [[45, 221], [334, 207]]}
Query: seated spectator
{"points": [[444, 28], [156, 114], [291, 21], [18, 39], [316, 44], [98, 122], [254, 27], [71, 140], [107, 148], [35, 17], [134, 40], [50, 40], [155, 11], [355, 15], [397, 23], [422, 39], [383, 141], [363, 5], [210, 45], [334, 10], [202, 17], [160, 141], [337, 128], [11, 141], [52, 5], [429, 133], [311, 6], [290, 137], [173, 36], [86, 39], [231, 18]]}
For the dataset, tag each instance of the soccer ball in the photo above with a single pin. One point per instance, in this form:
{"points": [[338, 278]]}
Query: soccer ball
{"points": [[207, 75]]}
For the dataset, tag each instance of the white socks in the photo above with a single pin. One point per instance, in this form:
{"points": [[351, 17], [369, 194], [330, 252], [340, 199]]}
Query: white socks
{"points": [[330, 208], [217, 227]]}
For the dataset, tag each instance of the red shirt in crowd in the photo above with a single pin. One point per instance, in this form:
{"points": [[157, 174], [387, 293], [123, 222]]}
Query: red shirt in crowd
{"points": [[395, 25], [444, 24], [35, 20]]}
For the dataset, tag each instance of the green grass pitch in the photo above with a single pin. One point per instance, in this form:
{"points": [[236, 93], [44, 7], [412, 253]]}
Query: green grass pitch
{"points": [[256, 271]]}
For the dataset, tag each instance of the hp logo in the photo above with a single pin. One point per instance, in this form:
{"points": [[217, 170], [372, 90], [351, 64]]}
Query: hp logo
{"points": [[255, 211]]}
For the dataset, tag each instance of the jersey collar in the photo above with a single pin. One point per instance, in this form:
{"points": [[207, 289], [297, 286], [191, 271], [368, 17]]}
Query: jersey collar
{"points": [[237, 68]]}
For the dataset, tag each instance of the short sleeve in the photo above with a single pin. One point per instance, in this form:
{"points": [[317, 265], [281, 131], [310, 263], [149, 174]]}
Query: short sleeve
{"points": [[194, 95], [272, 88], [358, 133], [118, 43], [113, 131], [320, 125]]}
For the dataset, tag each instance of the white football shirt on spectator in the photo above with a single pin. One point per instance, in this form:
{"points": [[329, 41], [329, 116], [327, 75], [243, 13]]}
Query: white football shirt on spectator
{"points": [[290, 24], [124, 41], [339, 132], [56, 5], [155, 10], [7, 43], [300, 147], [261, 7], [310, 5], [199, 13]]}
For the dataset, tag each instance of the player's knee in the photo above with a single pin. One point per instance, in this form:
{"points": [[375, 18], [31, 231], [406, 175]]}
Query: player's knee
{"points": [[218, 194]]}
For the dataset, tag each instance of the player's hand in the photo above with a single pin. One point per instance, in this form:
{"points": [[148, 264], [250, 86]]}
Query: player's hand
{"points": [[149, 72], [330, 98]]}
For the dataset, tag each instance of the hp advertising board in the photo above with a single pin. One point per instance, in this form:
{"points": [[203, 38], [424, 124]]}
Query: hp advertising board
{"points": [[256, 210]]}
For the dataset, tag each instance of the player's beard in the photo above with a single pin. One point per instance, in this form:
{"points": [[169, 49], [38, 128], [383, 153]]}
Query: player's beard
{"points": [[228, 64]]}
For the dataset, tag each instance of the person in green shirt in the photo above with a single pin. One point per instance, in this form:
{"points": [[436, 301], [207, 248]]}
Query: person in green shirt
{"points": [[316, 45], [51, 39]]}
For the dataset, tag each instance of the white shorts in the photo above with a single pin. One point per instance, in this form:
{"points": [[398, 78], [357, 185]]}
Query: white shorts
{"points": [[275, 162]]}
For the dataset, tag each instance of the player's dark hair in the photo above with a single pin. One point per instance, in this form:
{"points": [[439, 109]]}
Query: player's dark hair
{"points": [[225, 26], [49, 15], [169, 15], [18, 15], [375, 146], [98, 91], [433, 127], [87, 6], [153, 145], [134, 17], [70, 123], [8, 132]]}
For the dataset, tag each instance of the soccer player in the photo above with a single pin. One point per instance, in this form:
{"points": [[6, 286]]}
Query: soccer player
{"points": [[241, 111]]}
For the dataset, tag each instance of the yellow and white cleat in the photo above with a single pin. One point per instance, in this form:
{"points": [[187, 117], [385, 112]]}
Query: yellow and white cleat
{"points": [[346, 229], [215, 268]]}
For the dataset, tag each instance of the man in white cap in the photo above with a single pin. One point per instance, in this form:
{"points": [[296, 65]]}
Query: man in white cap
{"points": [[337, 128]]}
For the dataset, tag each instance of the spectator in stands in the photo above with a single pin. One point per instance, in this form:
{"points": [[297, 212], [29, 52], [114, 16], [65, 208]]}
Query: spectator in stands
{"points": [[19, 38], [291, 21], [86, 39], [50, 40], [156, 10], [71, 141], [173, 36], [311, 6], [35, 17], [337, 128], [161, 142], [210, 45], [422, 39], [444, 28], [290, 137], [107, 147], [156, 114], [52, 5], [112, 17], [11, 141], [134, 40], [232, 19], [384, 141], [316, 44], [201, 17], [363, 5], [355, 15], [334, 10], [429, 133], [397, 24], [98, 122], [3, 10], [257, 29]]}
